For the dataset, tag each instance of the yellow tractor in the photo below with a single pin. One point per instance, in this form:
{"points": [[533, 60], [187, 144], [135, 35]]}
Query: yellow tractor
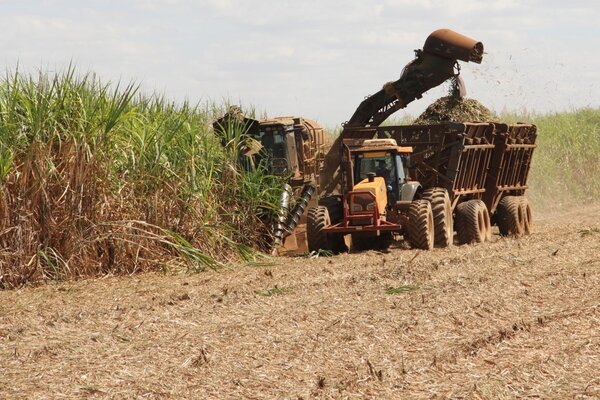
{"points": [[378, 201]]}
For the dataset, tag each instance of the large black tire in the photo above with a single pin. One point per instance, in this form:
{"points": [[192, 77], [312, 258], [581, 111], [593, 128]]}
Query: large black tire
{"points": [[335, 207], [361, 242], [527, 216], [473, 222], [385, 240], [442, 215], [509, 216], [317, 220], [488, 223], [420, 227]]}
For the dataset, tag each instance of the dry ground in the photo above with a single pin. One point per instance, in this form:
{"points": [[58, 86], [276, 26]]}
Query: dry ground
{"points": [[509, 319]]}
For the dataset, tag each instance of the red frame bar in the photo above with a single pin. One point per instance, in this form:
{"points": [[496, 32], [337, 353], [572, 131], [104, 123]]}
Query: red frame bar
{"points": [[378, 224]]}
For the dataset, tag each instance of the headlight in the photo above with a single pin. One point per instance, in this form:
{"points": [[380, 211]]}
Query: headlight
{"points": [[362, 202]]}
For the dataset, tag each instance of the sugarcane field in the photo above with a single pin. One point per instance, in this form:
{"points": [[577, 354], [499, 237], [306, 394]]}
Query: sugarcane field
{"points": [[198, 201]]}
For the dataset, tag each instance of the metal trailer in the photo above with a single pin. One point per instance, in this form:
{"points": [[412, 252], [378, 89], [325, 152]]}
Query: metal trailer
{"points": [[483, 166]]}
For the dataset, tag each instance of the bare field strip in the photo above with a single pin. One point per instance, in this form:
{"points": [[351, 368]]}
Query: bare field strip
{"points": [[509, 319]]}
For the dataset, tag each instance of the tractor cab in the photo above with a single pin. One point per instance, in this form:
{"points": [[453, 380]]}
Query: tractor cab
{"points": [[377, 161], [388, 164], [376, 198]]}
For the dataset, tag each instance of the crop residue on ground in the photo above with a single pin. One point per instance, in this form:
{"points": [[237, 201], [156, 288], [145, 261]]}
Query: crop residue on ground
{"points": [[513, 318]]}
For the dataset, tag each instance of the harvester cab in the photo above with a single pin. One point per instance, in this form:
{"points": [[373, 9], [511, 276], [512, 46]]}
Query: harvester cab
{"points": [[278, 148], [286, 146]]}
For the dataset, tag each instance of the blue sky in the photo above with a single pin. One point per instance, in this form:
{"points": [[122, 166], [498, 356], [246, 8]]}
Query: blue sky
{"points": [[318, 59]]}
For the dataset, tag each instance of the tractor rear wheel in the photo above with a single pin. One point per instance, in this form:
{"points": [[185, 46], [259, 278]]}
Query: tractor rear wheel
{"points": [[510, 216], [527, 216], [442, 215], [420, 226], [318, 239], [473, 222]]}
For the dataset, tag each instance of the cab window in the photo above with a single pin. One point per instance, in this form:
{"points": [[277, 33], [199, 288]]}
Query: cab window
{"points": [[380, 163]]}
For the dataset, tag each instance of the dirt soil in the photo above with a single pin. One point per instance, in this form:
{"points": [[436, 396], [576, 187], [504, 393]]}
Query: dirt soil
{"points": [[503, 320]]}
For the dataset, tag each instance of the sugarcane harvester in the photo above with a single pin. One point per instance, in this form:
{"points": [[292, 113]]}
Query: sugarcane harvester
{"points": [[290, 147]]}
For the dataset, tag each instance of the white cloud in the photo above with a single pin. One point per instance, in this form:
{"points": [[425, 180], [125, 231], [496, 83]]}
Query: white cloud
{"points": [[312, 58]]}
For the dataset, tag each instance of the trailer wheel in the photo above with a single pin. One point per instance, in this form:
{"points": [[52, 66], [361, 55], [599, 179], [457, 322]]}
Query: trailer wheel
{"points": [[442, 215], [510, 217], [488, 223], [527, 216], [420, 226], [317, 220], [473, 222]]}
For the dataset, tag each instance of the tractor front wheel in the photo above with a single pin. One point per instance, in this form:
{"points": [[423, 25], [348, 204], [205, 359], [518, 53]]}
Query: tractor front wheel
{"points": [[318, 239]]}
